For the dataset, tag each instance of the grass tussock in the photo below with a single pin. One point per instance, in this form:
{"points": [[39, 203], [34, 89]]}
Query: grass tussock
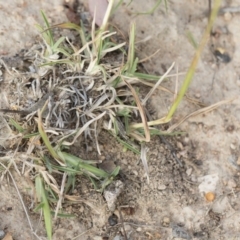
{"points": [[82, 88]]}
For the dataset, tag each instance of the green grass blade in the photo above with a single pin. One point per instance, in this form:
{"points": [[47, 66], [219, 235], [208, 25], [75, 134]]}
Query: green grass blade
{"points": [[128, 146], [30, 135], [77, 162], [41, 194], [38, 207], [16, 125], [76, 27], [57, 43], [146, 76], [71, 180], [108, 180], [49, 38], [45, 137], [166, 5]]}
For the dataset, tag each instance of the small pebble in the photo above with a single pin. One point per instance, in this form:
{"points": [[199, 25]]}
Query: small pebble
{"points": [[179, 145], [113, 220], [227, 16], [118, 237], [180, 232], [135, 172], [233, 146], [166, 222], [189, 171], [97, 238], [210, 196], [186, 140], [197, 95], [161, 187], [2, 234]]}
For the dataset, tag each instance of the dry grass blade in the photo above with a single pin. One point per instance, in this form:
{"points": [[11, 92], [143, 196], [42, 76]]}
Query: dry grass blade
{"points": [[157, 85], [144, 160], [200, 111], [82, 129], [149, 57], [141, 110], [59, 204]]}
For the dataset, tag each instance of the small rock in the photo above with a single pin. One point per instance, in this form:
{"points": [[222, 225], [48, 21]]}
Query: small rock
{"points": [[180, 232], [189, 171], [135, 172], [186, 140], [179, 145], [2, 234], [210, 196], [227, 16], [108, 166], [127, 228], [161, 187], [118, 237], [139, 229], [233, 146], [113, 220], [97, 238], [197, 95], [111, 193], [166, 222]]}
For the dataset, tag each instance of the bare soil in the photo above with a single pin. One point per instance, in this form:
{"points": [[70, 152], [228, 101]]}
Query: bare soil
{"points": [[173, 205]]}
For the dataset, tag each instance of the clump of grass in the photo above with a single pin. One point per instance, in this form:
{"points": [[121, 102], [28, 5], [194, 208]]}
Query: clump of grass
{"points": [[87, 94]]}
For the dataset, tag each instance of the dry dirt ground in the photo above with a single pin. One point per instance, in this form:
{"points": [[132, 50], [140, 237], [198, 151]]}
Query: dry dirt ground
{"points": [[172, 205]]}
